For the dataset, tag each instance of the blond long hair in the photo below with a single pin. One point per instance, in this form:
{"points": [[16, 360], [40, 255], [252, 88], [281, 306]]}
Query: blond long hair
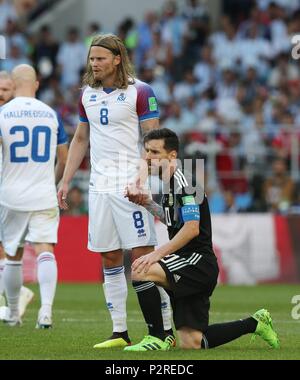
{"points": [[125, 70]]}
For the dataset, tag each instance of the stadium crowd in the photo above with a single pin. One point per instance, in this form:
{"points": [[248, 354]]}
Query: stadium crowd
{"points": [[232, 94]]}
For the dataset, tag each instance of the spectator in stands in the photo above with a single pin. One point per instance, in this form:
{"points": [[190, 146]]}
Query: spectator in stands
{"points": [[279, 187], [15, 37], [71, 58], [283, 71], [23, 7], [204, 69], [93, 29], [14, 59], [244, 71], [180, 120], [145, 38], [45, 53], [7, 12], [174, 32]]}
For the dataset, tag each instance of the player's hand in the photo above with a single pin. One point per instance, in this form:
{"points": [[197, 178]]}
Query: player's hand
{"points": [[137, 195], [62, 196], [143, 263]]}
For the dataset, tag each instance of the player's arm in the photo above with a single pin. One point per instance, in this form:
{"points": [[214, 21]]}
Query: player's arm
{"points": [[148, 114], [187, 233], [77, 151], [148, 125], [156, 210], [62, 155], [191, 217], [136, 195]]}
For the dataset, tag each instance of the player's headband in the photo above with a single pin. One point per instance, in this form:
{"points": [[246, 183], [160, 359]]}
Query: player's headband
{"points": [[114, 51]]}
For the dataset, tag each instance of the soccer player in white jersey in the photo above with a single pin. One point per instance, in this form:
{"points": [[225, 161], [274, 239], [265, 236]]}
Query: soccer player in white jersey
{"points": [[26, 295], [115, 109], [31, 135]]}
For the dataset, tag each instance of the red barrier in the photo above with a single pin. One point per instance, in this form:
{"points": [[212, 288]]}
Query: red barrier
{"points": [[75, 262]]}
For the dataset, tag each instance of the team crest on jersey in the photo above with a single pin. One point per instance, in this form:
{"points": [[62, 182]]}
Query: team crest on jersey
{"points": [[171, 199], [93, 98], [121, 97]]}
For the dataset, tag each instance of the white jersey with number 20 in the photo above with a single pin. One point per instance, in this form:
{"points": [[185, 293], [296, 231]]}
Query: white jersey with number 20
{"points": [[30, 132]]}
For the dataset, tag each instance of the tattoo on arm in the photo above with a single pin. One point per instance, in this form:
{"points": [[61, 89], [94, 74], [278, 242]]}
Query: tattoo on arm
{"points": [[156, 210]]}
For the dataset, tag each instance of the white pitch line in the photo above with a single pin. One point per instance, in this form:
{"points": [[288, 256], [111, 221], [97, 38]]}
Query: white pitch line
{"points": [[84, 320]]}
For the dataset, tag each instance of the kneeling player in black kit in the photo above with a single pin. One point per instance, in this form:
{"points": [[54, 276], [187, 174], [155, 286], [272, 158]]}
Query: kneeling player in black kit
{"points": [[186, 266]]}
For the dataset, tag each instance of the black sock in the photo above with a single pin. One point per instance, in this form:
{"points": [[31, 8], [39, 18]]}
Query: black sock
{"points": [[123, 335], [169, 332], [222, 333], [150, 303]]}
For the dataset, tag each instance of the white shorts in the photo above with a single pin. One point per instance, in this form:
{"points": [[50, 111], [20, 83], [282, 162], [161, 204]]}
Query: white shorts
{"points": [[35, 227], [116, 223]]}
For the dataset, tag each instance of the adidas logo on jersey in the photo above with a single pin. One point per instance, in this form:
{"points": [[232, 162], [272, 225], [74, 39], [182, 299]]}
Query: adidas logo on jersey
{"points": [[176, 277], [93, 98]]}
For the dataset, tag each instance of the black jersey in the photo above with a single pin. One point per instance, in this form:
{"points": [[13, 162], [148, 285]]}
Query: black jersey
{"points": [[185, 200]]}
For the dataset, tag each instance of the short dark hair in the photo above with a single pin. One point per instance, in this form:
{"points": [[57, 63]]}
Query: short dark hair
{"points": [[171, 141]]}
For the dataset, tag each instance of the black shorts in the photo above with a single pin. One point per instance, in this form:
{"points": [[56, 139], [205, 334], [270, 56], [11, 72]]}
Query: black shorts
{"points": [[192, 278]]}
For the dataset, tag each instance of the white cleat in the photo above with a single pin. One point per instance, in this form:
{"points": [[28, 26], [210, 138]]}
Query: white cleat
{"points": [[44, 322], [26, 296], [13, 321], [9, 320], [4, 313]]}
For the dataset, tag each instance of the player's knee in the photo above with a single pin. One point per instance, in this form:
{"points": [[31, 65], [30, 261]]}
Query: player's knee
{"points": [[112, 259], [190, 340], [14, 258], [135, 276], [191, 344]]}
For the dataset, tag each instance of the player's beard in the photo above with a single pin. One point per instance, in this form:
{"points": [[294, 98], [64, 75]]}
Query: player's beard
{"points": [[104, 74], [154, 170]]}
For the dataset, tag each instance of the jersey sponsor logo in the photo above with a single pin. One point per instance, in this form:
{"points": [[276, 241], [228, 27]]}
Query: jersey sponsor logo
{"points": [[171, 199], [188, 200], [152, 104], [121, 97], [93, 98]]}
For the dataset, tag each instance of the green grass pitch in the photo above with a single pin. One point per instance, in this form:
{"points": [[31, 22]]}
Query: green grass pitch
{"points": [[81, 320]]}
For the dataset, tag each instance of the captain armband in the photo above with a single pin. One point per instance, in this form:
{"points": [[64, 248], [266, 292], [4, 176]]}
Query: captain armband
{"points": [[190, 213]]}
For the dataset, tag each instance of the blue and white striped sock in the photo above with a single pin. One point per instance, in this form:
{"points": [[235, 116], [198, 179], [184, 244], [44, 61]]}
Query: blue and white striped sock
{"points": [[115, 291]]}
